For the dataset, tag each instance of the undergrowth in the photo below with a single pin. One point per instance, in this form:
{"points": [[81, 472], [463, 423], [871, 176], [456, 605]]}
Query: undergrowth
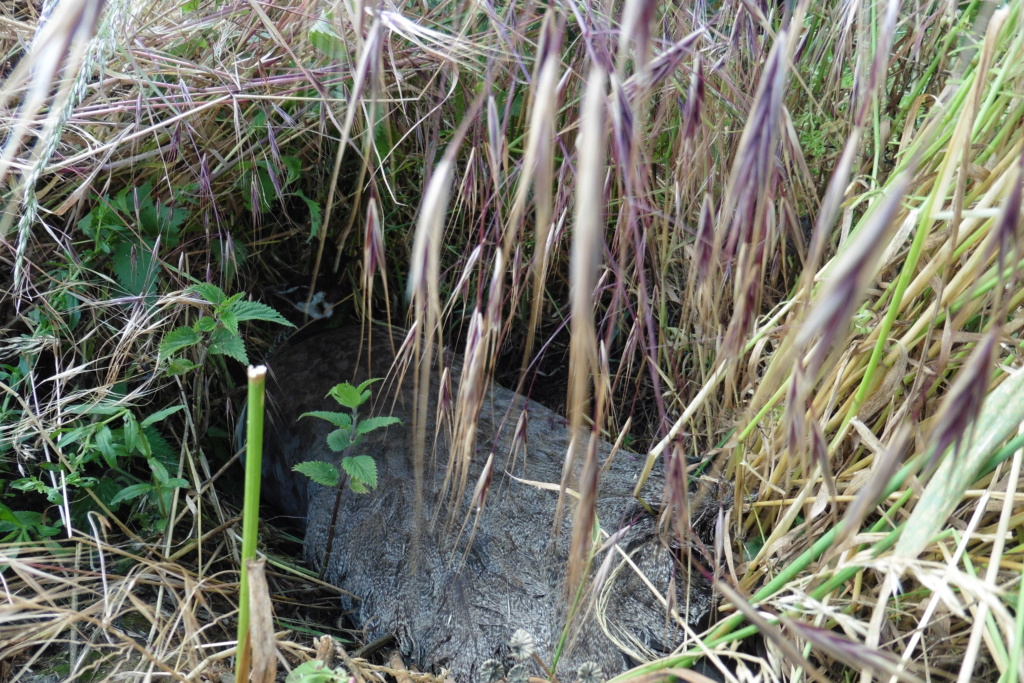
{"points": [[782, 239]]}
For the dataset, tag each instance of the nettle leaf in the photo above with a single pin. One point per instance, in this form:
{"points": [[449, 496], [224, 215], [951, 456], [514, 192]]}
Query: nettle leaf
{"points": [[362, 387], [348, 395], [179, 366], [362, 470], [371, 423], [206, 324], [339, 440], [315, 671], [159, 447], [178, 339], [323, 473], [230, 322], [226, 344], [336, 419], [254, 310], [208, 292], [323, 37]]}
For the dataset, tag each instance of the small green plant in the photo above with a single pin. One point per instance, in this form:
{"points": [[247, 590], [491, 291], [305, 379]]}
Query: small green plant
{"points": [[315, 671], [217, 332], [350, 433]]}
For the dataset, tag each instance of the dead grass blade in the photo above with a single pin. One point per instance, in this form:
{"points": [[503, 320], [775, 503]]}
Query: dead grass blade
{"points": [[587, 245]]}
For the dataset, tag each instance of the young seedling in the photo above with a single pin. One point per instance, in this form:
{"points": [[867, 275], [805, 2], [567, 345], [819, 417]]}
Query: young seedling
{"points": [[360, 470]]}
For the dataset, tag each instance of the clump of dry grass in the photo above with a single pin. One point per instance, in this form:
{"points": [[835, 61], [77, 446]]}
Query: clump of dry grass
{"points": [[792, 249]]}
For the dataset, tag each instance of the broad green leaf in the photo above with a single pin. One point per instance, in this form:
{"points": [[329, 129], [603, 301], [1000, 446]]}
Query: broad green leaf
{"points": [[315, 671], [207, 291], [336, 419], [159, 471], [1000, 416], [362, 387], [135, 265], [362, 469], [206, 324], [178, 339], [371, 423], [105, 445], [293, 168], [179, 366], [131, 492], [323, 473], [159, 447], [227, 344], [323, 37], [132, 433], [175, 483], [102, 408], [161, 414], [254, 310], [339, 440], [348, 396], [230, 321]]}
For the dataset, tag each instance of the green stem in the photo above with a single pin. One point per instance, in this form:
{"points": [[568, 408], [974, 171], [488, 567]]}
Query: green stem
{"points": [[250, 508]]}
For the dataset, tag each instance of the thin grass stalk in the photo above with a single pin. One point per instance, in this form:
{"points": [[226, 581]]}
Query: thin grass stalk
{"points": [[726, 631], [583, 360], [250, 507]]}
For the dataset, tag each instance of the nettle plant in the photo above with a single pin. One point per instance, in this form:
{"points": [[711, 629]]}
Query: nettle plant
{"points": [[350, 432], [217, 333]]}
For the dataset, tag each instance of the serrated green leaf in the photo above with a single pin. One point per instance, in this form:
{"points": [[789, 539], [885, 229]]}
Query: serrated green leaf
{"points": [[348, 396], [315, 671], [208, 292], [205, 324], [361, 469], [224, 343], [179, 366], [339, 440], [230, 322], [178, 339], [362, 387], [323, 473], [160, 448], [336, 419], [371, 423], [323, 38], [135, 265], [254, 310], [131, 492], [161, 415]]}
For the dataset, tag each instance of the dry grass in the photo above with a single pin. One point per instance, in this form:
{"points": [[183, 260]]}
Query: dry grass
{"points": [[785, 237]]}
